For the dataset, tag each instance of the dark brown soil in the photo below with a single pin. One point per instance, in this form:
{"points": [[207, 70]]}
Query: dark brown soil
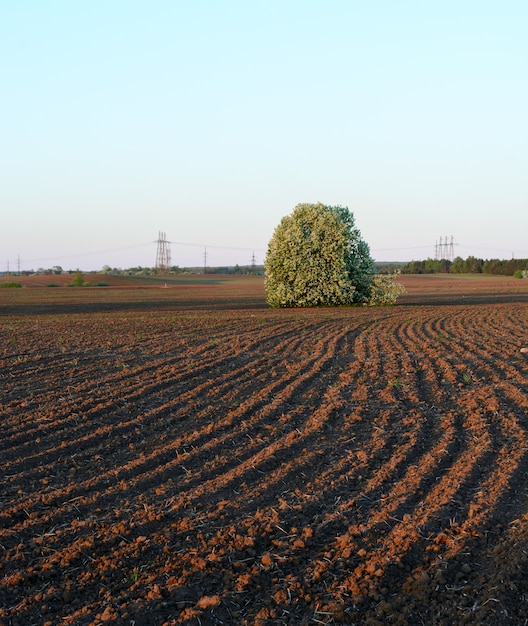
{"points": [[185, 455]]}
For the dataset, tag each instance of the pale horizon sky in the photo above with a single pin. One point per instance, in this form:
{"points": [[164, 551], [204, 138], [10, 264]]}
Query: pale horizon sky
{"points": [[210, 120]]}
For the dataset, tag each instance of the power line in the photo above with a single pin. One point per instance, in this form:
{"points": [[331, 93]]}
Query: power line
{"points": [[131, 247], [201, 245], [396, 249], [93, 253]]}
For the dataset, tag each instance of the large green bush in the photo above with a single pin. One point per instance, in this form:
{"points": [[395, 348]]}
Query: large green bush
{"points": [[77, 279], [317, 257]]}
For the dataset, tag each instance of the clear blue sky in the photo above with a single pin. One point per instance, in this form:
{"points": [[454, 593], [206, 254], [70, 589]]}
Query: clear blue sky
{"points": [[211, 119]]}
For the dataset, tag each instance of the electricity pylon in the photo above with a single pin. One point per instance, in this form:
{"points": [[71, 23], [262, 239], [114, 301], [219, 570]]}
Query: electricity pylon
{"points": [[163, 255]]}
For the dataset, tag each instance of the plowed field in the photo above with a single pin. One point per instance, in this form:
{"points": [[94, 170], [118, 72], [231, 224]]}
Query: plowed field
{"points": [[185, 455]]}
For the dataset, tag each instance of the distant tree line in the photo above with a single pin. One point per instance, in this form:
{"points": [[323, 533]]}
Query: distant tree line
{"points": [[247, 270], [175, 269], [471, 265]]}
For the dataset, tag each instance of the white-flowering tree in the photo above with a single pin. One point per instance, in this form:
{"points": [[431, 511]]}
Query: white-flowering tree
{"points": [[317, 257], [384, 291]]}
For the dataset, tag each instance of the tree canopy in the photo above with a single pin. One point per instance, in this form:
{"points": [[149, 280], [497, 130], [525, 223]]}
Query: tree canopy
{"points": [[317, 257], [471, 265]]}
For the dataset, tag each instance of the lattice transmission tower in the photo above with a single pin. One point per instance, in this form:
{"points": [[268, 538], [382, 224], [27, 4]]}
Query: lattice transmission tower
{"points": [[445, 250], [163, 255]]}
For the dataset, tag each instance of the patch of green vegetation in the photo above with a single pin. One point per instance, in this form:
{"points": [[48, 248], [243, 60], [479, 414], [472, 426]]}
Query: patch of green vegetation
{"points": [[466, 378], [11, 285], [77, 279], [89, 284], [135, 574]]}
